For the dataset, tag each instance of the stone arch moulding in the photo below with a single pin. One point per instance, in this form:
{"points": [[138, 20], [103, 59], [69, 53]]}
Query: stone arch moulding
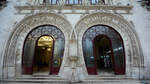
{"points": [[13, 51], [133, 52]]}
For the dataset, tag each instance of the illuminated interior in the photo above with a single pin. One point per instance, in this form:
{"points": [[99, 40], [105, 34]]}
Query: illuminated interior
{"points": [[43, 55]]}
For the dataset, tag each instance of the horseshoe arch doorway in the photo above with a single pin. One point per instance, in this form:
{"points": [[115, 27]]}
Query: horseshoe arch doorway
{"points": [[43, 51], [103, 51]]}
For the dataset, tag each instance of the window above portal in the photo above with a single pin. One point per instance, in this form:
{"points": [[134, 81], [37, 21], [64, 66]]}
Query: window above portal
{"points": [[2, 3]]}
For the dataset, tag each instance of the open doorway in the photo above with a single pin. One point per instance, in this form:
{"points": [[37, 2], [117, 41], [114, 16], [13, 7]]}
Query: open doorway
{"points": [[43, 51], [103, 51], [103, 54], [43, 55]]}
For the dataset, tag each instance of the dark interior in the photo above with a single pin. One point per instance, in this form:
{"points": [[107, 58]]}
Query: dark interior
{"points": [[103, 54]]}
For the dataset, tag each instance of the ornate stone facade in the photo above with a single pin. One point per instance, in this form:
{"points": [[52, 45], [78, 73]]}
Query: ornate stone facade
{"points": [[73, 60], [133, 52], [13, 58]]}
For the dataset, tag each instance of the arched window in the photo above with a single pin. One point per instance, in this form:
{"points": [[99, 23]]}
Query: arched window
{"points": [[43, 42], [103, 50]]}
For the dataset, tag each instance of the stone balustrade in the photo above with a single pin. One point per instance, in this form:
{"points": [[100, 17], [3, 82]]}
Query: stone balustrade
{"points": [[74, 7], [70, 2]]}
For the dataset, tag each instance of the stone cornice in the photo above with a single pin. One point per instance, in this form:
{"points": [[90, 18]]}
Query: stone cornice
{"points": [[59, 8]]}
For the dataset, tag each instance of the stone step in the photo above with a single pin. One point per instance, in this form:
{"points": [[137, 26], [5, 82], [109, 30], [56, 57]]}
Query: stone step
{"points": [[109, 78], [66, 82], [38, 77], [55, 79]]}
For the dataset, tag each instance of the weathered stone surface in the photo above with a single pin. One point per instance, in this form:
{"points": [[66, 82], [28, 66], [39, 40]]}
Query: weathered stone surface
{"points": [[73, 66]]}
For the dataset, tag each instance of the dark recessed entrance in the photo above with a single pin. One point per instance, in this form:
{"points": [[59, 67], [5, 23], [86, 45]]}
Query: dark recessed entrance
{"points": [[103, 54]]}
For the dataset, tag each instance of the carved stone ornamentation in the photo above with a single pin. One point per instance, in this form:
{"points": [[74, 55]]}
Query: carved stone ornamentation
{"points": [[73, 66], [133, 52], [16, 41]]}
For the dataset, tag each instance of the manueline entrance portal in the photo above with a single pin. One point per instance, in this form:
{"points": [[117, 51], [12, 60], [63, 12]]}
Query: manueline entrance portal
{"points": [[43, 51], [103, 51]]}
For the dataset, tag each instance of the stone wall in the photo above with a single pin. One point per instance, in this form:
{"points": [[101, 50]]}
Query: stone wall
{"points": [[73, 31]]}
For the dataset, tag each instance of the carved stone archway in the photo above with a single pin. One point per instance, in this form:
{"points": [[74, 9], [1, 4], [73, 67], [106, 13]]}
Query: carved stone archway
{"points": [[133, 52], [13, 52]]}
